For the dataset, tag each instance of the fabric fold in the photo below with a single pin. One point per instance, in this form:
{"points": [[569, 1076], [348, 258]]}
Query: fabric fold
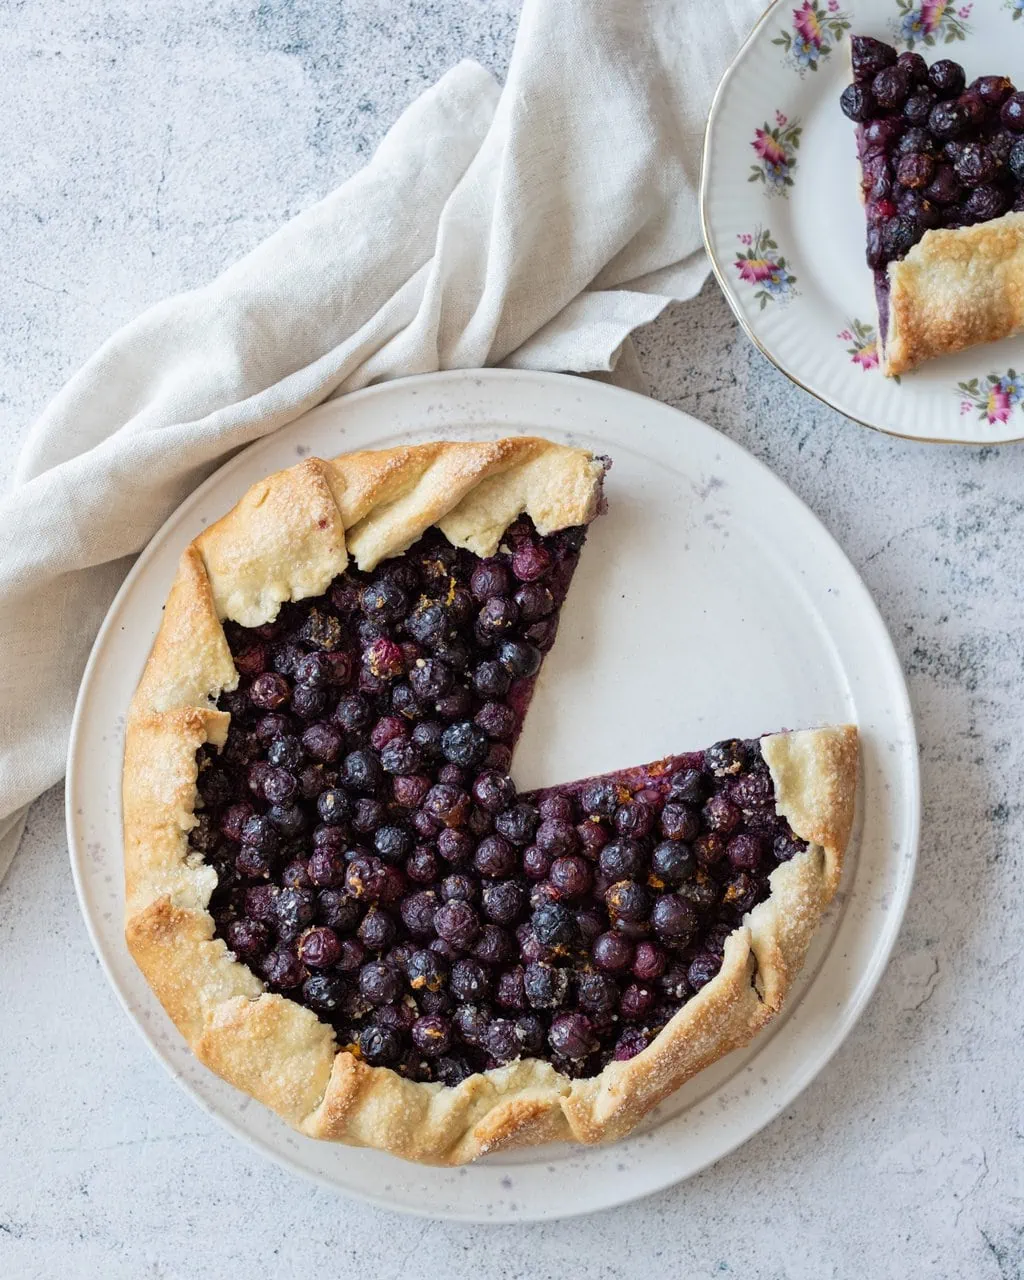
{"points": [[535, 225]]}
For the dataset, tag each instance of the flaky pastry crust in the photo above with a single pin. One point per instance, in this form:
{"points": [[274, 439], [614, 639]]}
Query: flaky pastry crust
{"points": [[955, 288], [288, 537]]}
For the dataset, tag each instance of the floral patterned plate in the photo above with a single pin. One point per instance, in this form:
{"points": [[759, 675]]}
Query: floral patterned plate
{"points": [[784, 226]]}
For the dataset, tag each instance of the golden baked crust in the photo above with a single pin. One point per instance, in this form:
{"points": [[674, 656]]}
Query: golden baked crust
{"points": [[370, 506], [954, 289]]}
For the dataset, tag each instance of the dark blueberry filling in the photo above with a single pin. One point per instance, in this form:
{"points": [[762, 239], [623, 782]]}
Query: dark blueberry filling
{"points": [[933, 152], [376, 863]]}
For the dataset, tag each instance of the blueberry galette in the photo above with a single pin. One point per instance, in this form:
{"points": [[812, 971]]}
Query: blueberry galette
{"points": [[333, 884], [942, 177]]}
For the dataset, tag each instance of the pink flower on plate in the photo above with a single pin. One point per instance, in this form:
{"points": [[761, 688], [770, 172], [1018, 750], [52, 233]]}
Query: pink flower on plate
{"points": [[932, 13], [780, 119], [867, 356], [754, 270], [845, 336], [745, 239], [833, 6], [965, 12], [805, 22], [768, 148], [998, 406]]}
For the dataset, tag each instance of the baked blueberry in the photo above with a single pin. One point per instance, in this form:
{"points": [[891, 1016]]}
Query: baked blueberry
{"points": [[945, 187], [869, 56], [418, 911], [519, 658], [985, 202], [649, 962], [367, 815], [637, 1001], [469, 981], [319, 948], [464, 744], [504, 901], [672, 862], [517, 824], [383, 600], [993, 90], [380, 1046], [572, 1036], [599, 799], [495, 857], [545, 986], [947, 77], [674, 920], [623, 859], [555, 926], [915, 67], [597, 994], [571, 875], [283, 969], [457, 923], [378, 982], [294, 909], [628, 903], [361, 770], [493, 790], [726, 758], [745, 851], [364, 877], [353, 713], [702, 969], [324, 993], [891, 87], [308, 702], [974, 165], [612, 952], [510, 989], [915, 169], [493, 945], [489, 579], [248, 938], [432, 1035], [377, 930], [534, 602], [501, 1041]]}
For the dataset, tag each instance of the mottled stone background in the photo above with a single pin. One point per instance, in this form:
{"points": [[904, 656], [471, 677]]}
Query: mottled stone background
{"points": [[144, 146]]}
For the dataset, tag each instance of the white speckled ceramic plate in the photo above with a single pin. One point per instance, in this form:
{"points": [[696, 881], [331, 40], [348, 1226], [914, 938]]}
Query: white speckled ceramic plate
{"points": [[784, 225], [709, 602]]}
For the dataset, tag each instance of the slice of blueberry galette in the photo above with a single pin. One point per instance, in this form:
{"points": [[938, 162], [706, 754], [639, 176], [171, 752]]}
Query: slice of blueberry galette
{"points": [[942, 178], [332, 883]]}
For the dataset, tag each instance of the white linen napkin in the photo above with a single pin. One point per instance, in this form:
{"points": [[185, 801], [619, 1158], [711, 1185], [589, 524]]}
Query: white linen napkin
{"points": [[532, 226]]}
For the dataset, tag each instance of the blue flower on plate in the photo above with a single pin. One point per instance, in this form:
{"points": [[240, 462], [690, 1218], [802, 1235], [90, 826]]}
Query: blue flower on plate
{"points": [[779, 282], [777, 174]]}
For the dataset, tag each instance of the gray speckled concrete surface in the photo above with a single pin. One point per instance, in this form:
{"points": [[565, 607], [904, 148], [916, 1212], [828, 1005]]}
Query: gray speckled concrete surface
{"points": [[145, 147]]}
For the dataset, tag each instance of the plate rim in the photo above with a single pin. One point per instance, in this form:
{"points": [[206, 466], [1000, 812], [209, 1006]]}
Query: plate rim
{"points": [[724, 283], [813, 1063]]}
